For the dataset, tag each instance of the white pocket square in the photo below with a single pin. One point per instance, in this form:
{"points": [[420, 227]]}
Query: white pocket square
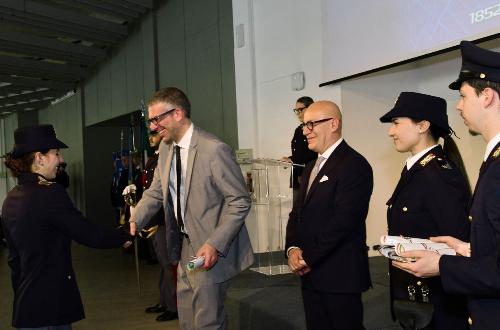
{"points": [[323, 179]]}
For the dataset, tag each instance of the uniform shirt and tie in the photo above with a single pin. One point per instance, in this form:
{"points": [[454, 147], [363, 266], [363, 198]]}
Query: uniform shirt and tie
{"points": [[489, 147], [413, 159], [183, 146]]}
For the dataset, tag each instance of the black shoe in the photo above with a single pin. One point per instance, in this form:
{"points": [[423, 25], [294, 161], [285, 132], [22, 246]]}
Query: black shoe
{"points": [[158, 308], [167, 316]]}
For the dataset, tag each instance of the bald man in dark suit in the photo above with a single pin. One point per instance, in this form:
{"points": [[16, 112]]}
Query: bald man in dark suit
{"points": [[326, 234]]}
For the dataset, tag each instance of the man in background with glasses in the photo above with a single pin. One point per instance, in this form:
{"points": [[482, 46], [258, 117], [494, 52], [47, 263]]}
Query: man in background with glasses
{"points": [[326, 233], [301, 154], [202, 190]]}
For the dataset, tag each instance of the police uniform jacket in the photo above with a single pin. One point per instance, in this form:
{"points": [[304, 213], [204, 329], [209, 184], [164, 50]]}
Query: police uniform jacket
{"points": [[40, 221], [479, 276], [147, 178], [430, 199], [301, 154]]}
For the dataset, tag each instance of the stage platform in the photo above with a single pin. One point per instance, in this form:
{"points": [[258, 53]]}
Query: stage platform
{"points": [[258, 301]]}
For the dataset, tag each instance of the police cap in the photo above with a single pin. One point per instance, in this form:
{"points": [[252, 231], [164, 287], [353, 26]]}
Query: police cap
{"points": [[35, 138], [477, 63], [421, 107]]}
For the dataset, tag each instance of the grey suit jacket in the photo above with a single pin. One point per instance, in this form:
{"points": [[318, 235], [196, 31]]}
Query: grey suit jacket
{"points": [[217, 203]]}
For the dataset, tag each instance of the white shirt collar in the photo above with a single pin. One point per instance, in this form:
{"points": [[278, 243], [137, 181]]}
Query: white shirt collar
{"points": [[413, 159], [330, 150], [489, 147], [185, 141]]}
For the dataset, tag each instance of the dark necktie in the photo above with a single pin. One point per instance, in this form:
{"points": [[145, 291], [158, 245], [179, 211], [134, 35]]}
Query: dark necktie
{"points": [[482, 168], [401, 183], [178, 170]]}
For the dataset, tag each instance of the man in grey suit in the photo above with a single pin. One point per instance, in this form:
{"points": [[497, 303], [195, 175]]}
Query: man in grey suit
{"points": [[202, 189]]}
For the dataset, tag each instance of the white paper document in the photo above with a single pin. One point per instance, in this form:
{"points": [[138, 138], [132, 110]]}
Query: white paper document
{"points": [[393, 246]]}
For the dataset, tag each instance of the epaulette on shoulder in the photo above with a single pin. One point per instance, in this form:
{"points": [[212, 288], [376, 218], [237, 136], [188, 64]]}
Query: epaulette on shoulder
{"points": [[443, 163], [427, 159], [496, 153], [44, 182]]}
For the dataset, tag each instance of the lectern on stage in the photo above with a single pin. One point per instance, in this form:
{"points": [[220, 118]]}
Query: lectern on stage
{"points": [[268, 182]]}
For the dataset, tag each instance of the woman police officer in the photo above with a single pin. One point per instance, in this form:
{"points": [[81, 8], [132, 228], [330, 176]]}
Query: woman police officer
{"points": [[430, 199], [39, 221]]}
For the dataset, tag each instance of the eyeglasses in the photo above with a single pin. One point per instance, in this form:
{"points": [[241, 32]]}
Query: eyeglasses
{"points": [[310, 124], [155, 120], [299, 110]]}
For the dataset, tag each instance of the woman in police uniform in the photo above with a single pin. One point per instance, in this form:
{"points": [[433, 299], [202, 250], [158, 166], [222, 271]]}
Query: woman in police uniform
{"points": [[301, 155], [39, 221], [430, 199]]}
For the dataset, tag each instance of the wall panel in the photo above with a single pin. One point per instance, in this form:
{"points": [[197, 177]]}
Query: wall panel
{"points": [[66, 117], [204, 80]]}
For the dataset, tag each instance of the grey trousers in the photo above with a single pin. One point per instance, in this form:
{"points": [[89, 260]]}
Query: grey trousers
{"points": [[200, 302]]}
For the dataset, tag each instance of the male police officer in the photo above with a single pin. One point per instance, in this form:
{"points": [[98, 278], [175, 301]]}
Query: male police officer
{"points": [[476, 272]]}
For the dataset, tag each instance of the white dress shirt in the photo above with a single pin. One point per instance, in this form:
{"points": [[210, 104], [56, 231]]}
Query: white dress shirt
{"points": [[184, 144]]}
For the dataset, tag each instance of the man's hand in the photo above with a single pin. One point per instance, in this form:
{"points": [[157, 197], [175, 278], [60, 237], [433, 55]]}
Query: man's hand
{"points": [[427, 264], [304, 270], [127, 244], [210, 254], [286, 159], [461, 248], [296, 263], [133, 228], [132, 211]]}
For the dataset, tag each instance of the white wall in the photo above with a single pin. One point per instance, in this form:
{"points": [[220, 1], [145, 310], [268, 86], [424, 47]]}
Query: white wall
{"points": [[283, 37]]}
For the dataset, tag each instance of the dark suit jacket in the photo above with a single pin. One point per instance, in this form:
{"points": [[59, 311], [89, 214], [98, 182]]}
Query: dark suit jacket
{"points": [[431, 199], [40, 221], [479, 276], [329, 223], [301, 154]]}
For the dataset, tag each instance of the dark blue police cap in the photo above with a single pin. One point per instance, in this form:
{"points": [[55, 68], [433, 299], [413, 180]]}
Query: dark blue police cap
{"points": [[420, 107], [35, 138], [477, 63]]}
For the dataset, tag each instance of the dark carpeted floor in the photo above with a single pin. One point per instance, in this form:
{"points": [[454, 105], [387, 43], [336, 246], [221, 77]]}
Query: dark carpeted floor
{"points": [[108, 285]]}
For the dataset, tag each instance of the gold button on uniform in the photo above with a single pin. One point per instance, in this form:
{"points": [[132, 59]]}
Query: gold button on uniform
{"points": [[405, 209], [419, 283], [69, 277], [470, 321], [470, 217]]}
